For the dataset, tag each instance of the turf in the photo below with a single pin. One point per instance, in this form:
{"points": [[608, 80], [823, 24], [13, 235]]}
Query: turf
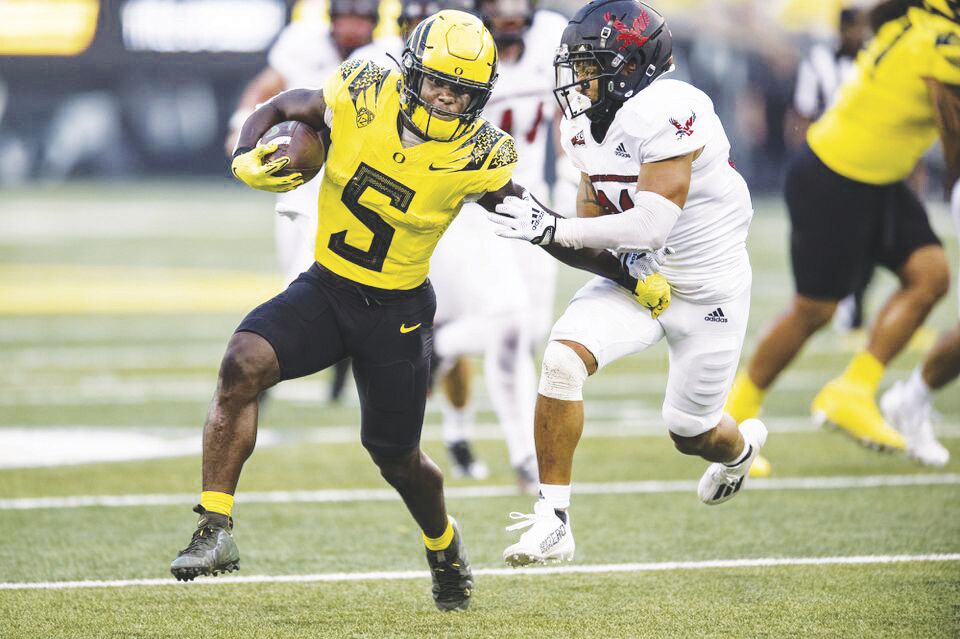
{"points": [[154, 368]]}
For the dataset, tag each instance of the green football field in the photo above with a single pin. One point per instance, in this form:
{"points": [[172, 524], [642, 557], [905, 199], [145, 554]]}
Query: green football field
{"points": [[115, 304]]}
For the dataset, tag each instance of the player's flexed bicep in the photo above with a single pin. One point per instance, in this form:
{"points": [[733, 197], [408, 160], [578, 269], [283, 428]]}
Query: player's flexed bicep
{"points": [[302, 105], [668, 178]]}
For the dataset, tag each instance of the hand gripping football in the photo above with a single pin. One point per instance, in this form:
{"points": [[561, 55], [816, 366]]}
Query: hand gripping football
{"points": [[298, 142]]}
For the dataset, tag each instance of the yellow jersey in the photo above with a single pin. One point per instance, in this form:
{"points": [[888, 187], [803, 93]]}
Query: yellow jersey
{"points": [[383, 206], [883, 120]]}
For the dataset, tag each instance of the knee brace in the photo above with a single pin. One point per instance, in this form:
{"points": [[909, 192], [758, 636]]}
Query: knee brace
{"points": [[563, 373]]}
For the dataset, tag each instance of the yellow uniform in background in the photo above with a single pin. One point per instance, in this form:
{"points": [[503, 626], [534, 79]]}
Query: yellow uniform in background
{"points": [[883, 120], [384, 206]]}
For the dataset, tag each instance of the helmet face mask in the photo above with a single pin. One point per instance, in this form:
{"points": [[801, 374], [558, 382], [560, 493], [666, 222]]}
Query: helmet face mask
{"points": [[449, 52], [581, 82], [610, 50]]}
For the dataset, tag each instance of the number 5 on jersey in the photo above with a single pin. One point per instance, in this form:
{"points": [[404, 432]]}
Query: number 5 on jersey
{"points": [[400, 198]]}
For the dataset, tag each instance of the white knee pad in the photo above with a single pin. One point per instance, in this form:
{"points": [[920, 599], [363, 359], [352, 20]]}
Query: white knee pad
{"points": [[686, 424], [563, 373]]}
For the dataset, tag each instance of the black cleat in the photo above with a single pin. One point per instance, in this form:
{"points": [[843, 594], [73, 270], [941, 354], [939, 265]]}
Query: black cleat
{"points": [[452, 577], [211, 551]]}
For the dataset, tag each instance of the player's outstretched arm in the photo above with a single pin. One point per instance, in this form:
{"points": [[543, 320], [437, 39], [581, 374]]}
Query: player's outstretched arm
{"points": [[661, 193], [303, 105], [598, 262]]}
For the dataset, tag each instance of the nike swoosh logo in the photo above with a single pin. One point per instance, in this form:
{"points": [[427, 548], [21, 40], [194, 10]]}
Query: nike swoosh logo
{"points": [[441, 168], [406, 329]]}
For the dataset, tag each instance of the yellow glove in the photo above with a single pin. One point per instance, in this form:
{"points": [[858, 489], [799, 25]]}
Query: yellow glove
{"points": [[654, 293], [249, 169]]}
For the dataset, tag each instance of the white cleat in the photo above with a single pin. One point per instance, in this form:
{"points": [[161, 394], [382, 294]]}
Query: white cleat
{"points": [[550, 539], [721, 482], [914, 419]]}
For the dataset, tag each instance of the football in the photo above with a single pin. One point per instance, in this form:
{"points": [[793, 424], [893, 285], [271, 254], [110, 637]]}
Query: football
{"points": [[299, 142]]}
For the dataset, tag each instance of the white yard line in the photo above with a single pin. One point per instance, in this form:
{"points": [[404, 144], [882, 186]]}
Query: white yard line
{"points": [[856, 560], [478, 492]]}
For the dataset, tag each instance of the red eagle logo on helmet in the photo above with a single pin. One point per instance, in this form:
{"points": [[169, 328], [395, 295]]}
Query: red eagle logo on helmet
{"points": [[686, 128], [632, 34]]}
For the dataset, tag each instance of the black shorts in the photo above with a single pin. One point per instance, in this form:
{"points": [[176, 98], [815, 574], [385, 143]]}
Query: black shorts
{"points": [[322, 318], [841, 228]]}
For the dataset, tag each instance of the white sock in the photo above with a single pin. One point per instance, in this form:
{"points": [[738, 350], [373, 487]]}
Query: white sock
{"points": [[739, 459], [916, 388], [556, 495], [457, 423]]}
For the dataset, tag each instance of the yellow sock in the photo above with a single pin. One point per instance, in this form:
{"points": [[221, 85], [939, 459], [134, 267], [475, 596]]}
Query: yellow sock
{"points": [[443, 541], [865, 370], [216, 502], [745, 398]]}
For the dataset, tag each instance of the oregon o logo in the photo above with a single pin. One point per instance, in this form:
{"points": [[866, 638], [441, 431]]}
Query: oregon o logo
{"points": [[458, 70], [399, 157]]}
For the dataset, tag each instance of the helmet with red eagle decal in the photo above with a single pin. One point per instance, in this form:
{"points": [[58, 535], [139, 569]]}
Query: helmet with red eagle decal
{"points": [[610, 50]]}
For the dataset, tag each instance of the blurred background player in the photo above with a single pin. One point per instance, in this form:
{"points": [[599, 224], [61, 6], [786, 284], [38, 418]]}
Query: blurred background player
{"points": [[305, 54], [850, 208], [819, 77], [489, 304], [516, 284]]}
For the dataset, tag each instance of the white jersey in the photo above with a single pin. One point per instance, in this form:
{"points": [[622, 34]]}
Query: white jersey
{"points": [[667, 119], [304, 54], [522, 102]]}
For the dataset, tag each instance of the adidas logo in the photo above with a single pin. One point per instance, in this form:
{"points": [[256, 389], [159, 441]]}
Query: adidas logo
{"points": [[621, 151], [716, 316]]}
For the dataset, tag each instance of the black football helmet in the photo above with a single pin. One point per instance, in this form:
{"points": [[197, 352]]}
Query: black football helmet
{"points": [[610, 50]]}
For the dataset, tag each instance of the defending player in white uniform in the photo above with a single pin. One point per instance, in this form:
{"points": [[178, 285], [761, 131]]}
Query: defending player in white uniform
{"points": [[653, 153]]}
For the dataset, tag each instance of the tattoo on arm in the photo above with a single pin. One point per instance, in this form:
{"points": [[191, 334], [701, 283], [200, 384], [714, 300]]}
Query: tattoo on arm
{"points": [[588, 203]]}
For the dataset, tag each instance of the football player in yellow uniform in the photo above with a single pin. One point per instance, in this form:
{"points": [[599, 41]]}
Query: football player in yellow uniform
{"points": [[405, 151], [850, 208]]}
